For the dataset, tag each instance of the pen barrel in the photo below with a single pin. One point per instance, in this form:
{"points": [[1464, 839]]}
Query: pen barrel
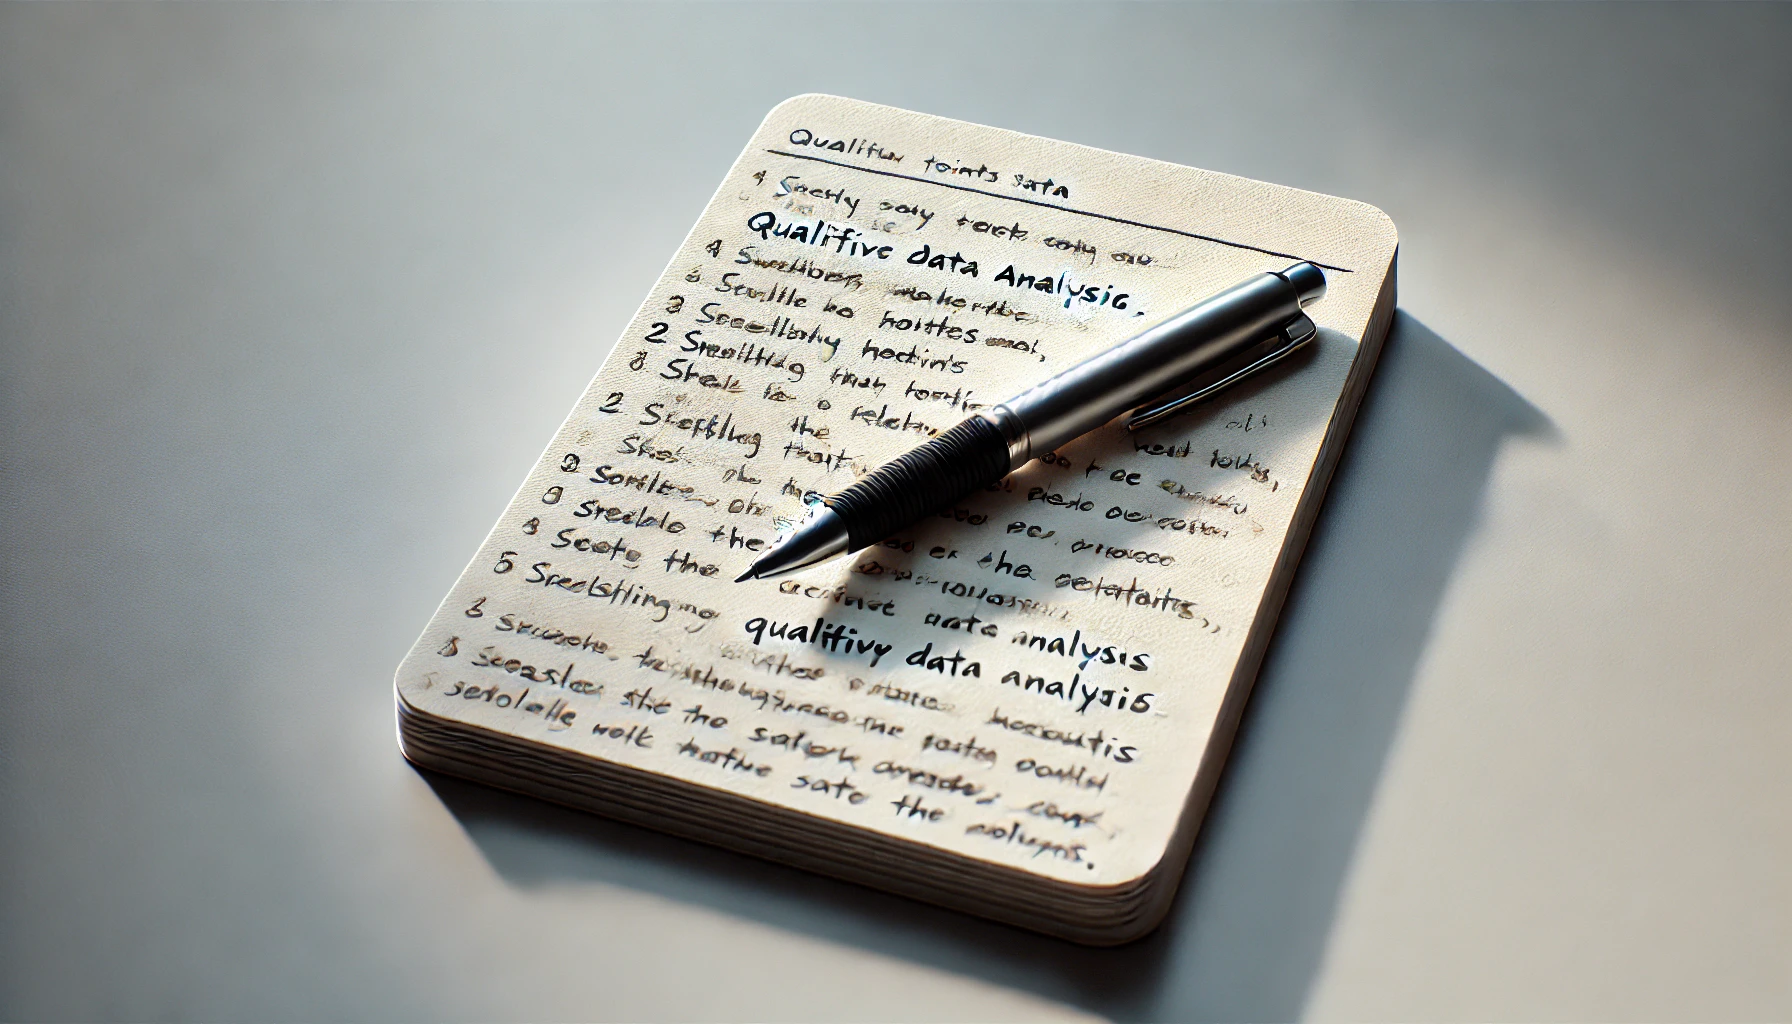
{"points": [[921, 481], [1166, 356]]}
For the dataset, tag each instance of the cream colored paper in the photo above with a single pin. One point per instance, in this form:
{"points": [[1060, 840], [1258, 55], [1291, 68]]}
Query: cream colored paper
{"points": [[1031, 679]]}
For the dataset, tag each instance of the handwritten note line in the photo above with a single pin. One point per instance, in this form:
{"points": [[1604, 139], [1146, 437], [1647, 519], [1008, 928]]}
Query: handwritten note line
{"points": [[1063, 209]]}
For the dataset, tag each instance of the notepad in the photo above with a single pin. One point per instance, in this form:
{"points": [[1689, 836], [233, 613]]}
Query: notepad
{"points": [[1018, 708]]}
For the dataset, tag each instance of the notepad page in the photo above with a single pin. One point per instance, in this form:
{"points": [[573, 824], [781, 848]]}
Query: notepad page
{"points": [[1030, 678]]}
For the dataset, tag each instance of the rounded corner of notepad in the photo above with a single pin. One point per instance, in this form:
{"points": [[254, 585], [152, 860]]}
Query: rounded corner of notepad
{"points": [[1384, 226], [1134, 873], [402, 703], [406, 679]]}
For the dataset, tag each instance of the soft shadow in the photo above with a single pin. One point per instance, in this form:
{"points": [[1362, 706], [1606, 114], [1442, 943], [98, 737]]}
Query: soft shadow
{"points": [[1250, 926], [1246, 935]]}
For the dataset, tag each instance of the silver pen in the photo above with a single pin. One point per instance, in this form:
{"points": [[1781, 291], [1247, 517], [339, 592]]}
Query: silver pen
{"points": [[1251, 325]]}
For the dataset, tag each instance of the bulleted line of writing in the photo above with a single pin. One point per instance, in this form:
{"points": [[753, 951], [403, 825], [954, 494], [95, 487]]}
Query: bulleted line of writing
{"points": [[1062, 209]]}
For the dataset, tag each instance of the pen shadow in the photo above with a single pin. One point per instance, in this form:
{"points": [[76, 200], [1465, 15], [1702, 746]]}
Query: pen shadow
{"points": [[1246, 935]]}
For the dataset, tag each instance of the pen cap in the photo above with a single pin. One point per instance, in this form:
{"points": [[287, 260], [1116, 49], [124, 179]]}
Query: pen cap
{"points": [[1203, 337], [1308, 282]]}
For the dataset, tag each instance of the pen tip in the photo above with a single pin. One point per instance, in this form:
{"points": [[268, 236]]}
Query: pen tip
{"points": [[745, 576]]}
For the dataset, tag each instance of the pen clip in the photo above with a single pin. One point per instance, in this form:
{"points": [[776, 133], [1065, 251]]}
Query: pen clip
{"points": [[1293, 334]]}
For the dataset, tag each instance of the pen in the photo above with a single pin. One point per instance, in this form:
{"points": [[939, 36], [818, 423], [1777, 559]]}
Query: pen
{"points": [[1250, 325]]}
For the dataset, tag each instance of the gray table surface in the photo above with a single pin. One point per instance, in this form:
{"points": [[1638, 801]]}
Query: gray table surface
{"points": [[291, 296]]}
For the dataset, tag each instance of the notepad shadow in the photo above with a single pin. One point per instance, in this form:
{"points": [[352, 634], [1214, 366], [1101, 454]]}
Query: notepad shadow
{"points": [[1245, 937]]}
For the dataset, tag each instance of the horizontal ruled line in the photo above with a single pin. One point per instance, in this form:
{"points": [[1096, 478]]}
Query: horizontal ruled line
{"points": [[1060, 209]]}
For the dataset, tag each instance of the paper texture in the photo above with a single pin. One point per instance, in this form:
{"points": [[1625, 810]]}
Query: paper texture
{"points": [[1030, 679]]}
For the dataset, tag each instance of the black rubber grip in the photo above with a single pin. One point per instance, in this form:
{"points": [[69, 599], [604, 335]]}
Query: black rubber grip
{"points": [[927, 479]]}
